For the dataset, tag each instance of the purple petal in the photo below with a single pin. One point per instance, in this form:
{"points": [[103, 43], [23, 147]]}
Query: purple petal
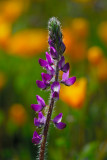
{"points": [[51, 43], [65, 76], [40, 115], [36, 138], [55, 87], [49, 59], [46, 77], [40, 121], [41, 84], [61, 62], [40, 101], [53, 52], [50, 70], [36, 107], [43, 62], [41, 118], [60, 125], [35, 134], [70, 81], [65, 67], [55, 95], [36, 122], [58, 118], [63, 47]]}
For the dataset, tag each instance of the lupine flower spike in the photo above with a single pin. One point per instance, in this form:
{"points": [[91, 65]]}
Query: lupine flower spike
{"points": [[54, 62]]}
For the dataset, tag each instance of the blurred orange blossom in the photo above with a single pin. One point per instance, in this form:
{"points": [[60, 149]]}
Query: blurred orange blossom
{"points": [[74, 95], [96, 58], [95, 55], [18, 114], [12, 9], [67, 37], [80, 27], [5, 32], [28, 42], [75, 38], [75, 48]]}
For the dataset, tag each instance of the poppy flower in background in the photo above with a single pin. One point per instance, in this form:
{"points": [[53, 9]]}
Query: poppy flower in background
{"points": [[74, 95]]}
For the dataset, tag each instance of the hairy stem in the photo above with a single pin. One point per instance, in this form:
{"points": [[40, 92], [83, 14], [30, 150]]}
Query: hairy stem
{"points": [[46, 127]]}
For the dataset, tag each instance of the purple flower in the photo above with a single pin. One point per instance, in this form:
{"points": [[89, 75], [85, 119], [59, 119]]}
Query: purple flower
{"points": [[50, 70], [40, 121], [61, 62], [36, 138], [41, 104], [55, 87], [65, 68], [62, 66], [55, 95], [66, 80], [63, 47], [49, 59], [41, 84], [57, 121], [43, 62], [45, 81], [51, 43], [46, 77], [53, 52]]}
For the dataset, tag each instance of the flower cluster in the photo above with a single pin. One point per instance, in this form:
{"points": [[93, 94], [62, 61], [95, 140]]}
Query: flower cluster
{"points": [[54, 62]]}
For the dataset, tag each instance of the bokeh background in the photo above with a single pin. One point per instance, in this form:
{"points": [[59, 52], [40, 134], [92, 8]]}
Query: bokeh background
{"points": [[23, 40]]}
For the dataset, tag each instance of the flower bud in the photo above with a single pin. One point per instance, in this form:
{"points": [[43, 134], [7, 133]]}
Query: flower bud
{"points": [[55, 35]]}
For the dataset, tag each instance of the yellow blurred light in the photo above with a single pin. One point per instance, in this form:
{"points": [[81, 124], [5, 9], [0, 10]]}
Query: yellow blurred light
{"points": [[78, 51], [80, 27], [75, 48], [12, 9], [18, 114], [102, 31], [28, 42], [74, 95], [95, 55], [75, 38], [67, 38], [5, 32]]}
